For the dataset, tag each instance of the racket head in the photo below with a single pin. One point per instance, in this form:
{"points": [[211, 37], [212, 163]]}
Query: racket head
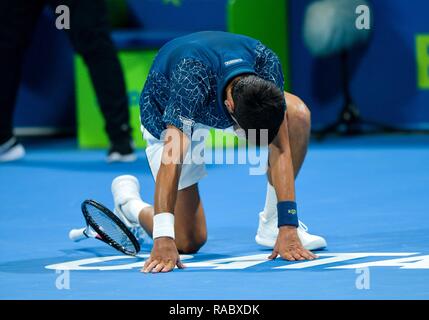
{"points": [[109, 227]]}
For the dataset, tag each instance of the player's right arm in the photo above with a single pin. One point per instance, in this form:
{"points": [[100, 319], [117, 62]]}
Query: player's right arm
{"points": [[164, 256], [190, 89]]}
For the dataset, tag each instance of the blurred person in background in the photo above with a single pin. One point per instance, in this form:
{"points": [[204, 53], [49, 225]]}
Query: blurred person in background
{"points": [[89, 34]]}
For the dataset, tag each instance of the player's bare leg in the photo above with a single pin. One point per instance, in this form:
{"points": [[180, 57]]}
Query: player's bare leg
{"points": [[190, 222]]}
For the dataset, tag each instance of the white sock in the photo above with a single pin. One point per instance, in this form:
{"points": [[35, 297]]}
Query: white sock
{"points": [[270, 209], [132, 209]]}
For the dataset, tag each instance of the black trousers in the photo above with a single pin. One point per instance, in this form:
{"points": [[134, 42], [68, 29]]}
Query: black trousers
{"points": [[89, 34]]}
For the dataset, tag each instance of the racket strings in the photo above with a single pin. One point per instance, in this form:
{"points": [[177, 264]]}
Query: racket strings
{"points": [[109, 230]]}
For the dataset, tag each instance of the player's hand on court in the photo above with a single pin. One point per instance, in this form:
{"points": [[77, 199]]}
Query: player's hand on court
{"points": [[289, 247], [164, 257]]}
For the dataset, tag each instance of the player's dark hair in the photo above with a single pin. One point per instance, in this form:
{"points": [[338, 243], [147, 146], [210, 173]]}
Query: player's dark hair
{"points": [[258, 104]]}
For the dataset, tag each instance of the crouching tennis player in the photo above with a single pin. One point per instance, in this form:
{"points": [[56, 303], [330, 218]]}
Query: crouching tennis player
{"points": [[220, 80]]}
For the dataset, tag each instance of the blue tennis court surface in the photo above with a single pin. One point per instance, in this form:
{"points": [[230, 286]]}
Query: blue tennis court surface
{"points": [[367, 196]]}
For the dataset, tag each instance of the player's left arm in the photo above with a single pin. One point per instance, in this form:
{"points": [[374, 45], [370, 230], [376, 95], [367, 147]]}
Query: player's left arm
{"points": [[281, 176]]}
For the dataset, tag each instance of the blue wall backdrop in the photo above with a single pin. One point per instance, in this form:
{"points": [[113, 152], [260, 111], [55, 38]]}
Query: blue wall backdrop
{"points": [[46, 94], [384, 73]]}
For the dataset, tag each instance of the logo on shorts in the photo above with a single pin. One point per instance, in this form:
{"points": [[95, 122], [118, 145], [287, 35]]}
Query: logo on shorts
{"points": [[187, 122]]}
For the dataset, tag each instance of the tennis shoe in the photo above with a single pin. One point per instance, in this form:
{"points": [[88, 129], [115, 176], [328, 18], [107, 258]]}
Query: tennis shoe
{"points": [[267, 234]]}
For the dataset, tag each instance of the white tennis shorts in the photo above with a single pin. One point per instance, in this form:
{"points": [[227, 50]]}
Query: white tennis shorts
{"points": [[191, 172]]}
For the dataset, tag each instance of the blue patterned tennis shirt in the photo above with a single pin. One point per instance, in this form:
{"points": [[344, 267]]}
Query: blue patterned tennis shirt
{"points": [[188, 77]]}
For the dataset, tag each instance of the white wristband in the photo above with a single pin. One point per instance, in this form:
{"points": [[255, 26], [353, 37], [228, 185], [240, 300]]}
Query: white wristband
{"points": [[163, 225]]}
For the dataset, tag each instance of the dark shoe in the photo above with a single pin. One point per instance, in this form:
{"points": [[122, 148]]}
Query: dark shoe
{"points": [[121, 152], [11, 150]]}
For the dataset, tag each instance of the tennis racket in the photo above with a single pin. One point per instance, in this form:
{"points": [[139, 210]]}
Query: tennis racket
{"points": [[104, 225]]}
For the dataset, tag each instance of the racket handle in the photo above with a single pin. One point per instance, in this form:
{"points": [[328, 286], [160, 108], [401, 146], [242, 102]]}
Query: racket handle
{"points": [[77, 235]]}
